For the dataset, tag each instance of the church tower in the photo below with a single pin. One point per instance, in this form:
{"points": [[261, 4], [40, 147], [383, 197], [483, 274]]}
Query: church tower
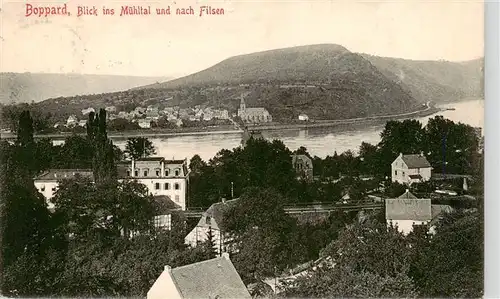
{"points": [[241, 111], [242, 104]]}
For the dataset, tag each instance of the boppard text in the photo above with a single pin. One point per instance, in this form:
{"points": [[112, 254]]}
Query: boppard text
{"points": [[44, 11]]}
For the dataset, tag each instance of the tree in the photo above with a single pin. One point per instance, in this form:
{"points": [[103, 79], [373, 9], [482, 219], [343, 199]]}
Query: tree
{"points": [[139, 147], [450, 264], [267, 237], [367, 260], [407, 137], [103, 163]]}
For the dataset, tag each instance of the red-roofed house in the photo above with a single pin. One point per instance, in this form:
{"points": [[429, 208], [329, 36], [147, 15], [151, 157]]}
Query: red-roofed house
{"points": [[215, 278], [408, 169]]}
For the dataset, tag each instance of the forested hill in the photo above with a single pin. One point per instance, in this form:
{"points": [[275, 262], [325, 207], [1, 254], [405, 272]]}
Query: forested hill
{"points": [[438, 81], [340, 83], [28, 87]]}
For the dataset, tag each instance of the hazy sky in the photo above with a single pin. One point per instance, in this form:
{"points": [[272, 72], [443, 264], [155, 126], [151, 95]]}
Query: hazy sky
{"points": [[178, 45]]}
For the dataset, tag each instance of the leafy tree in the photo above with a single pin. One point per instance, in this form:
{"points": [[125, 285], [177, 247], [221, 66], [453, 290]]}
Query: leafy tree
{"points": [[268, 239], [367, 260], [450, 264], [451, 147], [103, 163], [139, 147], [407, 137]]}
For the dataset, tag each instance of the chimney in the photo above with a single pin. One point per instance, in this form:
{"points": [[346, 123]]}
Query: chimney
{"points": [[225, 255], [168, 268]]}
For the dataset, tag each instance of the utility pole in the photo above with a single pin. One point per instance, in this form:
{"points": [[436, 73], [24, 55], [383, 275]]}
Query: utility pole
{"points": [[444, 155], [232, 190]]}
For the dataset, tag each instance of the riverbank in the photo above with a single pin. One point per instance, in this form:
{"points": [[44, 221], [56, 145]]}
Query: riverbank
{"points": [[229, 129]]}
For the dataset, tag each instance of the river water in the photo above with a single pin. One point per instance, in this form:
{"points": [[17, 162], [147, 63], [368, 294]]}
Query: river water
{"points": [[318, 141]]}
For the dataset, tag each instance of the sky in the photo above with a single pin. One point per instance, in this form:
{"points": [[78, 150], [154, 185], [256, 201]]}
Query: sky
{"points": [[177, 45]]}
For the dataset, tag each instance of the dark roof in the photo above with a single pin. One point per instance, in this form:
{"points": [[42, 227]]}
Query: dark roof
{"points": [[59, 174], [217, 210], [418, 209], [215, 278], [416, 161], [164, 204], [175, 161], [415, 176], [151, 159], [302, 158]]}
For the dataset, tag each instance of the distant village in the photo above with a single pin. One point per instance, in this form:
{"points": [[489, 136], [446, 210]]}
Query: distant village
{"points": [[149, 116]]}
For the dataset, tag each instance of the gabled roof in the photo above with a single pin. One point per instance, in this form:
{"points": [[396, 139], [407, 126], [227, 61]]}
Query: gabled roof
{"points": [[407, 194], [302, 158], [215, 278], [216, 211], [408, 207], [415, 161]]}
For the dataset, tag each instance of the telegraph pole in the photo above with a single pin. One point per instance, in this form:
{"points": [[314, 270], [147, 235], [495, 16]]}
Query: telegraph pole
{"points": [[232, 190]]}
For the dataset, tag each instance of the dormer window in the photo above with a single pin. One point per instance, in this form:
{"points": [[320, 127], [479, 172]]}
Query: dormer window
{"points": [[136, 173], [128, 172], [158, 172], [145, 171], [167, 172], [177, 172]]}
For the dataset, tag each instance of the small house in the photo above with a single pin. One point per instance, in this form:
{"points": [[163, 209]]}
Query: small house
{"points": [[212, 221], [408, 169], [303, 166], [303, 117]]}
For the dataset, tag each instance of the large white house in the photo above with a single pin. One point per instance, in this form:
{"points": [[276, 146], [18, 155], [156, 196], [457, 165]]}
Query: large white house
{"points": [[408, 169], [161, 177], [212, 220], [214, 278]]}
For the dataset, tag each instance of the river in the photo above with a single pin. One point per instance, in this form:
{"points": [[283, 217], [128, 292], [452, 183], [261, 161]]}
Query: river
{"points": [[318, 141]]}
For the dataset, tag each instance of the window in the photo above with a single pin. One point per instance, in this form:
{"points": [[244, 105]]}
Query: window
{"points": [[177, 172], [395, 172], [136, 173], [166, 186], [158, 172], [177, 186], [146, 172], [157, 186], [163, 221], [177, 198], [208, 220], [42, 188], [403, 173], [128, 172], [53, 189], [167, 172]]}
